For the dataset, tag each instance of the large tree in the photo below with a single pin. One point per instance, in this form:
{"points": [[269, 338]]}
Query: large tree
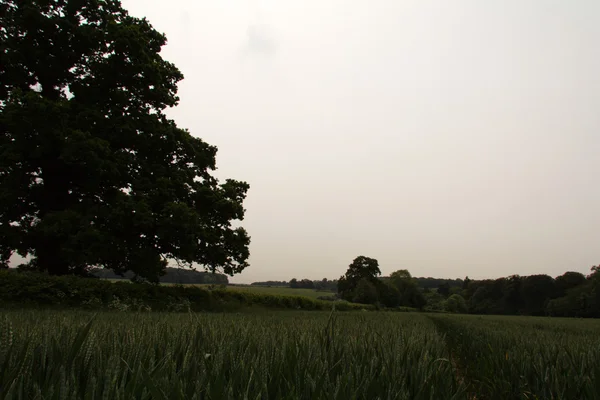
{"points": [[362, 269], [409, 293], [92, 172]]}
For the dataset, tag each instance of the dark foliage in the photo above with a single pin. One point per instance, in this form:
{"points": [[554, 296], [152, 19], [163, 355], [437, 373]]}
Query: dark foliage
{"points": [[303, 284], [271, 283], [172, 275], [324, 284], [569, 295], [362, 284], [34, 289], [434, 283], [360, 281], [92, 172], [444, 289]]}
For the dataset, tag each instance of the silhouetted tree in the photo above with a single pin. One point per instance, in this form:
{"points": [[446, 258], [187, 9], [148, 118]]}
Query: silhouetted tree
{"points": [[92, 172], [536, 291], [365, 292], [406, 285], [434, 283], [270, 283], [466, 282], [512, 299], [361, 268], [569, 280]]}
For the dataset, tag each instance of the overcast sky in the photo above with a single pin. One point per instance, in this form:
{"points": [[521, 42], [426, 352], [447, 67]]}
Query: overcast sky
{"points": [[450, 138]]}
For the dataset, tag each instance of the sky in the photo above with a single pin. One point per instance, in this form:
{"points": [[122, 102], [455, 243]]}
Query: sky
{"points": [[449, 138]]}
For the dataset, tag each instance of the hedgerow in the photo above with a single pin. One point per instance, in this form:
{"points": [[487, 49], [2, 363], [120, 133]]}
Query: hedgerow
{"points": [[35, 289]]}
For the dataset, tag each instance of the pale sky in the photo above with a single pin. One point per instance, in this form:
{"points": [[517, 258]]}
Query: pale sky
{"points": [[450, 138]]}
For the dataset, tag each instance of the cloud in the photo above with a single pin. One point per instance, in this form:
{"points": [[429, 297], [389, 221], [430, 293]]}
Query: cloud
{"points": [[260, 40]]}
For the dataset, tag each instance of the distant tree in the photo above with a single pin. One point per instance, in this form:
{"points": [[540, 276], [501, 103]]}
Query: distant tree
{"points": [[270, 283], [389, 295], [456, 304], [466, 282], [365, 292], [406, 285], [536, 291], [326, 285], [594, 295], [401, 275], [294, 283], [486, 297], [433, 300], [444, 289], [92, 172], [569, 280], [306, 284], [582, 300], [569, 295], [512, 298], [323, 284], [361, 268], [434, 283]]}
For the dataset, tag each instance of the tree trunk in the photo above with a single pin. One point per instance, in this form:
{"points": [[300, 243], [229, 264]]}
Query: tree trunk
{"points": [[49, 258], [50, 241]]}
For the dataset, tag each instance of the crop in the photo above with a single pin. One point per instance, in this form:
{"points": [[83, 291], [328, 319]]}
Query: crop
{"points": [[295, 355], [525, 357], [281, 355]]}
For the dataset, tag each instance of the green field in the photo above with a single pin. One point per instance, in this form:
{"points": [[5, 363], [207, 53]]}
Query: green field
{"points": [[281, 291], [295, 355], [273, 290]]}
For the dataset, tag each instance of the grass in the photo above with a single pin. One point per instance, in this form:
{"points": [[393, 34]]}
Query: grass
{"points": [[525, 357], [281, 291], [273, 290], [295, 355], [284, 355]]}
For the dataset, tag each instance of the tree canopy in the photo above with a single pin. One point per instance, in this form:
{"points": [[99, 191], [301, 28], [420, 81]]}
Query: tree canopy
{"points": [[92, 172], [362, 284], [409, 294], [362, 268]]}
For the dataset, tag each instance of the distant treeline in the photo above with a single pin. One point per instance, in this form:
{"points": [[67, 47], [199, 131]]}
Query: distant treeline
{"points": [[324, 284], [271, 283], [434, 283], [331, 285], [569, 295], [173, 275]]}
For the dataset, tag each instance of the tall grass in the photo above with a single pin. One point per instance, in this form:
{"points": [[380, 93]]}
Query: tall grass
{"points": [[526, 357], [280, 355]]}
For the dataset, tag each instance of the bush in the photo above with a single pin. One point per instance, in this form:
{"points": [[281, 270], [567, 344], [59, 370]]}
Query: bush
{"points": [[327, 298], [456, 304]]}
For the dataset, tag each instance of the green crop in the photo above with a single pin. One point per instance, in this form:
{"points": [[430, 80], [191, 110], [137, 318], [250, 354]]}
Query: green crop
{"points": [[525, 357], [295, 355], [282, 355]]}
